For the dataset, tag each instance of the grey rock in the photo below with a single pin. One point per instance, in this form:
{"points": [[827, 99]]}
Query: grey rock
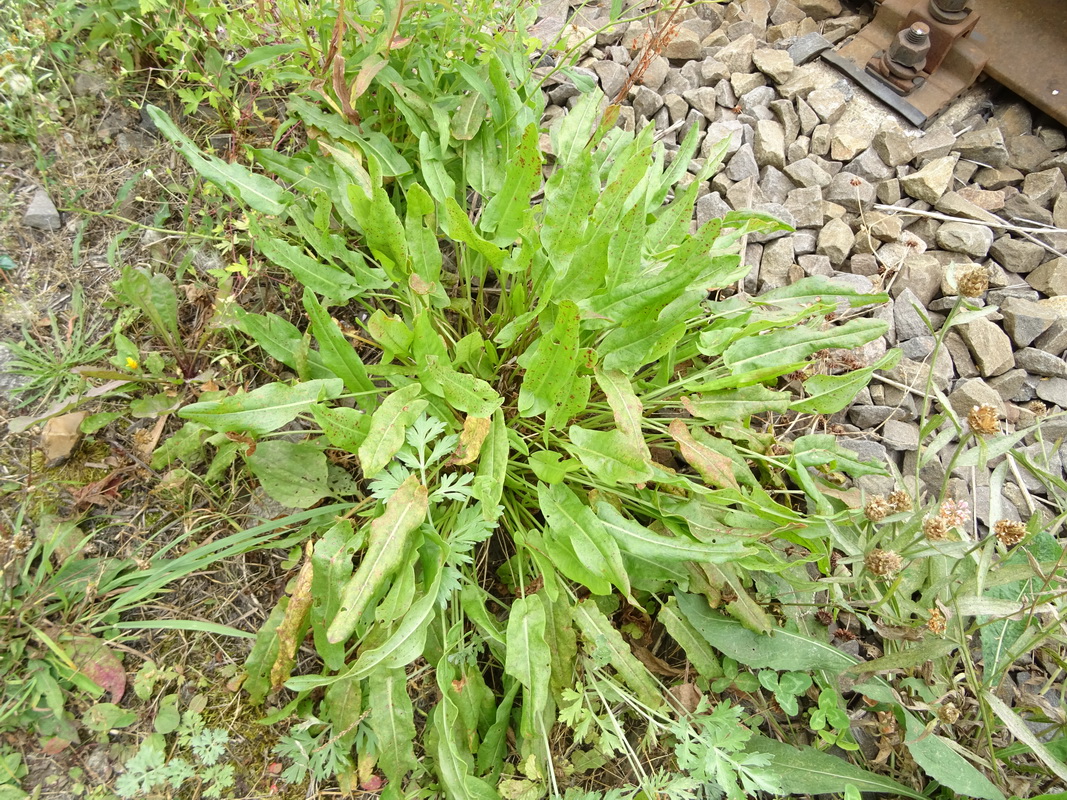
{"points": [[804, 242], [1038, 362], [676, 82], [820, 140], [775, 184], [1050, 278], [798, 149], [1021, 209], [899, 435], [612, 76], [89, 83], [1052, 390], [808, 118], [1054, 340], [1045, 186], [869, 165], [960, 354], [742, 164], [853, 192], [724, 94], [805, 204], [989, 345], [828, 104], [769, 144], [807, 173], [745, 194], [745, 82], [864, 264], [41, 213], [757, 100], [922, 275], [777, 259], [655, 73], [775, 64], [893, 146], [936, 143], [963, 237], [1027, 152], [1010, 384], [815, 265], [684, 45], [1059, 211], [737, 55], [647, 102], [711, 206], [1025, 320], [731, 130], [1042, 456], [835, 242], [888, 191], [870, 417], [956, 205], [819, 9], [676, 106], [919, 348], [930, 182], [866, 449], [997, 177], [787, 116], [712, 71], [984, 145], [693, 118], [909, 321], [974, 392], [703, 100]]}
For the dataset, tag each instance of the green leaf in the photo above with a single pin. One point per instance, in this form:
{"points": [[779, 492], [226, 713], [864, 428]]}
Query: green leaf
{"points": [[464, 392], [392, 719], [454, 761], [282, 341], [1021, 731], [819, 289], [261, 410], [942, 763], [257, 191], [318, 277], [386, 550], [601, 635], [736, 405], [547, 466], [391, 333], [700, 654], [717, 469], [828, 394], [781, 650], [469, 117], [373, 143], [610, 456], [337, 353], [154, 294], [331, 564], [345, 428], [529, 661], [383, 230], [629, 348], [807, 771], [787, 350], [293, 473], [266, 54], [550, 367], [571, 134], [343, 703], [388, 427], [102, 717], [909, 657], [570, 194], [625, 405], [508, 212], [640, 541], [574, 527], [458, 226], [488, 485]]}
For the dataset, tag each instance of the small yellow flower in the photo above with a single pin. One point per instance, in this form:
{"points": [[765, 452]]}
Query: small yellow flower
{"points": [[983, 419], [131, 363], [900, 501], [1009, 532], [935, 528], [936, 623]]}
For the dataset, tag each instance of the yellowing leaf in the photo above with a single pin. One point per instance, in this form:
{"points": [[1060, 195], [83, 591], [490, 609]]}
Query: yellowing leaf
{"points": [[388, 426], [715, 468], [292, 625], [475, 429]]}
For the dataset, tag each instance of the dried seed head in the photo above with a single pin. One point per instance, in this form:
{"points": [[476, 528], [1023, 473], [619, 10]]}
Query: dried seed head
{"points": [[1037, 407], [935, 528], [983, 419], [877, 509], [936, 623], [1009, 532], [900, 501], [883, 562], [948, 713], [974, 282]]}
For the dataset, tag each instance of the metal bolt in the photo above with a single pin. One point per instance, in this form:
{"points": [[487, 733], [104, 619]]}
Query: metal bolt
{"points": [[951, 5], [919, 33]]}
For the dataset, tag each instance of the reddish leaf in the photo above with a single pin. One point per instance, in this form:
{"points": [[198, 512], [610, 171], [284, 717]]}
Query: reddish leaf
{"points": [[96, 660]]}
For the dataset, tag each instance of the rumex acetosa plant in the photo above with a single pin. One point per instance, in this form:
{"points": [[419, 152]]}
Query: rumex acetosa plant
{"points": [[548, 421]]}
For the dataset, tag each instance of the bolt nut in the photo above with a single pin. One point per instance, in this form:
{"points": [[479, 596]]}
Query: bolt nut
{"points": [[951, 6], [911, 46]]}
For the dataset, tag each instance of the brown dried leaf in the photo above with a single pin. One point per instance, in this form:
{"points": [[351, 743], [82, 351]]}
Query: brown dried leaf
{"points": [[684, 698], [295, 617], [60, 436]]}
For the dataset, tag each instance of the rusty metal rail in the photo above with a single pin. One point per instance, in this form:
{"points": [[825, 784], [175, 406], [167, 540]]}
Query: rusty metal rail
{"points": [[918, 55]]}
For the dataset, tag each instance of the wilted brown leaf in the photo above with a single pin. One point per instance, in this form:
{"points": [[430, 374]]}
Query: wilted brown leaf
{"points": [[715, 468], [295, 618], [100, 664]]}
